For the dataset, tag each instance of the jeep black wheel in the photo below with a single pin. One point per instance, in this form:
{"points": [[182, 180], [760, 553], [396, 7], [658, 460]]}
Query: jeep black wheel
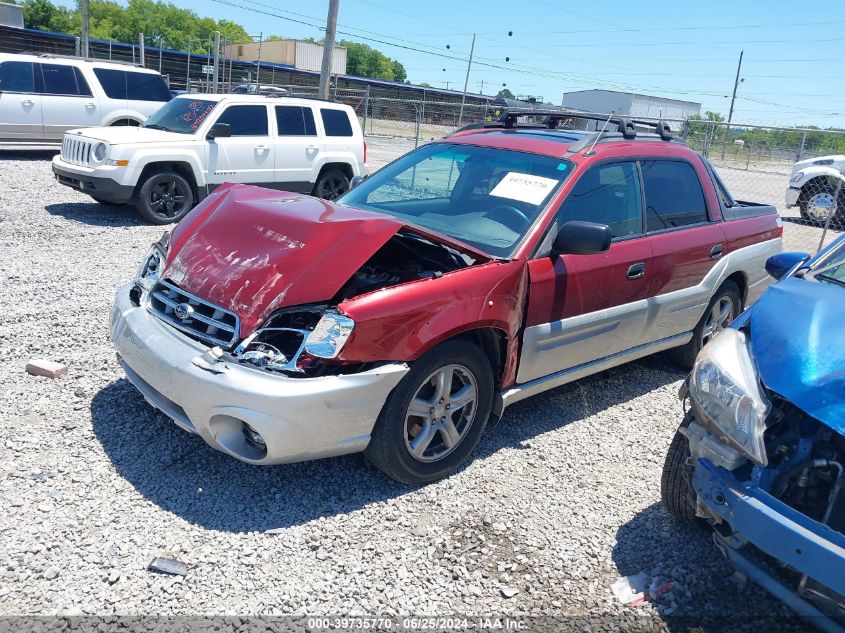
{"points": [[165, 197], [435, 416], [331, 184]]}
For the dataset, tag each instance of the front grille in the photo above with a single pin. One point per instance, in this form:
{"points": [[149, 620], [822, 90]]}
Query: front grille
{"points": [[204, 321], [76, 151]]}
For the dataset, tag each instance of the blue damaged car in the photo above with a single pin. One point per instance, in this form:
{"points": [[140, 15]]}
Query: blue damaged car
{"points": [[760, 453]]}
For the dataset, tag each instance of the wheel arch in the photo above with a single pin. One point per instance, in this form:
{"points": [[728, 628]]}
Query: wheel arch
{"points": [[346, 168], [741, 281], [492, 341], [180, 167], [832, 179]]}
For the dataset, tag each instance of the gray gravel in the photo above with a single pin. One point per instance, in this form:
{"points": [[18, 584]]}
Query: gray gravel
{"points": [[562, 497]]}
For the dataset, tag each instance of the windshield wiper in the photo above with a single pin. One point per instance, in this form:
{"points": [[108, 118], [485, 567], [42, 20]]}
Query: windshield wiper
{"points": [[833, 280], [154, 126]]}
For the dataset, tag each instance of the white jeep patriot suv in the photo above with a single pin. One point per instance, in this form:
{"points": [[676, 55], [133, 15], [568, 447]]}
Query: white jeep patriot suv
{"points": [[197, 142]]}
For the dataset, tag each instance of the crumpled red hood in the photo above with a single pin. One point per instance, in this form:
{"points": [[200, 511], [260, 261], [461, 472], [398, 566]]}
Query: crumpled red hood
{"points": [[252, 250]]}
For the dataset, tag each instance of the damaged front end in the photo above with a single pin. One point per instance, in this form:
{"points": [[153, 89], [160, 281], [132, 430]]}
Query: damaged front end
{"points": [[769, 478]]}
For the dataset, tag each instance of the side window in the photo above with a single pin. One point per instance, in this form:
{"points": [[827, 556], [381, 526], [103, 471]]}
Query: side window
{"points": [[84, 88], [146, 87], [336, 122], [246, 120], [112, 81], [607, 194], [295, 121], [673, 195], [16, 77], [59, 80]]}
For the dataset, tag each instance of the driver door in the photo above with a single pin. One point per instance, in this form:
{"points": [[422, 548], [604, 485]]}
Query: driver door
{"points": [[583, 308], [248, 155]]}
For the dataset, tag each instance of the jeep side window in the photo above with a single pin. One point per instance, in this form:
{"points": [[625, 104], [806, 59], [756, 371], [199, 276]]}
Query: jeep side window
{"points": [[673, 195], [246, 120], [17, 77], [295, 121], [607, 194], [336, 122]]}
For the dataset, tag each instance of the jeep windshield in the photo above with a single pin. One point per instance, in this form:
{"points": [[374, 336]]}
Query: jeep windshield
{"points": [[183, 116], [488, 198]]}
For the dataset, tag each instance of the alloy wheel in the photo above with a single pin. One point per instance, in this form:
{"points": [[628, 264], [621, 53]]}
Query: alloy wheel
{"points": [[720, 315], [168, 198], [333, 187], [441, 413]]}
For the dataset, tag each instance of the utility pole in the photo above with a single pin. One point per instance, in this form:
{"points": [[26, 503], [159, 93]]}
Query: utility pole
{"points": [[466, 81], [258, 68], [215, 77], [731, 111], [83, 7], [481, 89], [328, 48]]}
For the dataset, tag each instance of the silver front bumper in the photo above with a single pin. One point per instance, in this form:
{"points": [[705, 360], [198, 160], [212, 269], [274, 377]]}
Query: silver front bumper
{"points": [[299, 418], [792, 195]]}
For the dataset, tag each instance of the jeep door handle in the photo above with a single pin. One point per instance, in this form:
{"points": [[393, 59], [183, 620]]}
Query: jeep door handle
{"points": [[28, 102], [636, 271], [313, 148], [716, 251], [262, 148], [90, 106]]}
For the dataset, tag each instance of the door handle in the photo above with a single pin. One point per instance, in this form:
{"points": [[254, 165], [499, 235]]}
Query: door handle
{"points": [[716, 251], [312, 147], [262, 148], [90, 106], [636, 271], [28, 102]]}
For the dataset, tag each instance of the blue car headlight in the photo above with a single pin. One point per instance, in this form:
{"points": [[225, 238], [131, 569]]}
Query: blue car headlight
{"points": [[726, 393]]}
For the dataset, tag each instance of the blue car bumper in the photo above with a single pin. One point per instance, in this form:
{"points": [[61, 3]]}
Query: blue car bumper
{"points": [[791, 537]]}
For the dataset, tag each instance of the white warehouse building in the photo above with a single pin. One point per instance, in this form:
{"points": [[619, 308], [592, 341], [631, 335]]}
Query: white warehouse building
{"points": [[630, 104]]}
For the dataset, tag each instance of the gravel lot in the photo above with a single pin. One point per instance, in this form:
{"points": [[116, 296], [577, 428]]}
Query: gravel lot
{"points": [[562, 497]]}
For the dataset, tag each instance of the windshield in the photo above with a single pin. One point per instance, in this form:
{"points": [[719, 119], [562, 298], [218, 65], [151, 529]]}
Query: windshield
{"points": [[832, 270], [182, 116], [486, 197]]}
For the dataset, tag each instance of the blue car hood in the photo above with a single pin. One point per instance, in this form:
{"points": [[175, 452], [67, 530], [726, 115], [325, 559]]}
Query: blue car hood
{"points": [[798, 339]]}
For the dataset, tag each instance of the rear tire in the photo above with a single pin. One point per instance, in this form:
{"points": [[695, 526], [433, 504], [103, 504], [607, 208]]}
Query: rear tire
{"points": [[164, 197], [331, 184], [676, 489], [424, 432], [725, 305]]}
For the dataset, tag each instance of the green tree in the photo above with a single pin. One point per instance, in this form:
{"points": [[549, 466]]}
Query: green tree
{"points": [[365, 61], [504, 93], [399, 73], [43, 15]]}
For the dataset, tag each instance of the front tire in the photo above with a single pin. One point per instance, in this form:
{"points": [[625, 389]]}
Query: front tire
{"points": [[819, 203], [164, 197], [435, 416], [676, 489], [331, 184], [725, 305]]}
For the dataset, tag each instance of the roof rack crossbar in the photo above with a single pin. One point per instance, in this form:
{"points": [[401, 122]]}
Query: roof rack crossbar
{"points": [[625, 125], [85, 59]]}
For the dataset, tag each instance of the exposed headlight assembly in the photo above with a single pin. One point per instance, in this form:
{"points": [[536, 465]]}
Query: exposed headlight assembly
{"points": [[329, 335], [153, 263], [727, 397]]}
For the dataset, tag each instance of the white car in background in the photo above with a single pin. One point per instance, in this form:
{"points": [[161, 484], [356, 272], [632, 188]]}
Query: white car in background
{"points": [[43, 96], [197, 142], [817, 187]]}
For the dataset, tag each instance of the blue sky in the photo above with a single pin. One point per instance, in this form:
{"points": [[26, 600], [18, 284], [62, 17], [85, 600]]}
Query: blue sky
{"points": [[794, 62]]}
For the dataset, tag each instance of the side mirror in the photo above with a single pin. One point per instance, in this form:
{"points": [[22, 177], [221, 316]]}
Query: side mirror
{"points": [[778, 265], [582, 238], [357, 180], [219, 130]]}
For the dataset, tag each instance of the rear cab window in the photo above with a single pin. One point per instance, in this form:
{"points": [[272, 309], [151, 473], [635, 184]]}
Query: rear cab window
{"points": [[17, 77], [295, 121], [246, 120], [673, 195], [336, 122]]}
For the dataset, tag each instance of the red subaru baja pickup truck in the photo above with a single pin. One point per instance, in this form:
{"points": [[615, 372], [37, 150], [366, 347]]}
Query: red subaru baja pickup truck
{"points": [[504, 260]]}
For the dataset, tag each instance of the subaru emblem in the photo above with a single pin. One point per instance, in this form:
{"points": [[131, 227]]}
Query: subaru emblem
{"points": [[183, 311]]}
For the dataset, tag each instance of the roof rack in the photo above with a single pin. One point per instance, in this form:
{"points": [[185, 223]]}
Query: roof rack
{"points": [[84, 59], [624, 125]]}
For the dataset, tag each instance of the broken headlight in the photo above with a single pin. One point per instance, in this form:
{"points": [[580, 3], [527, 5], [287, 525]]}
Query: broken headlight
{"points": [[287, 340], [727, 397], [153, 263]]}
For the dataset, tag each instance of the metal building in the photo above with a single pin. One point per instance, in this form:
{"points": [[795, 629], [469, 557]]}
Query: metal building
{"points": [[297, 53], [11, 15], [630, 104]]}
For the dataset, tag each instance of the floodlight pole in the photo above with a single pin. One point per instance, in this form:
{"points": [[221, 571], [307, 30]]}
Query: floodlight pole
{"points": [[466, 81], [733, 98]]}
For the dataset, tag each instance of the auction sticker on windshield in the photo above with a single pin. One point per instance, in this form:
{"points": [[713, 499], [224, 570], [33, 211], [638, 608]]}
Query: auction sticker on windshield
{"points": [[524, 187]]}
